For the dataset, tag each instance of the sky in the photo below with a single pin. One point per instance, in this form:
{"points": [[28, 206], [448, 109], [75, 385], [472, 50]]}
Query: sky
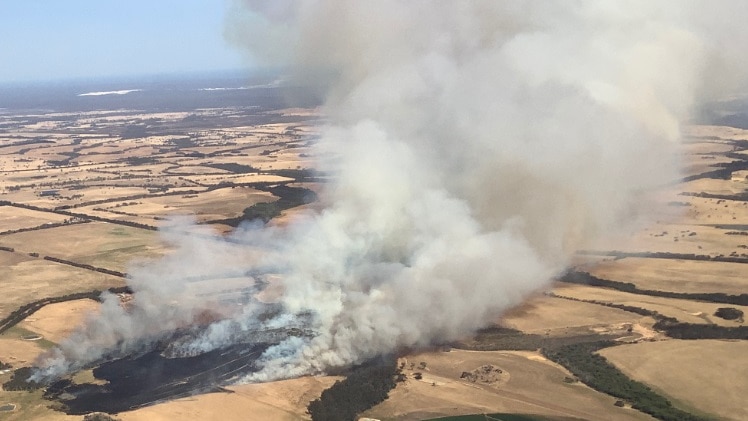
{"points": [[52, 39]]}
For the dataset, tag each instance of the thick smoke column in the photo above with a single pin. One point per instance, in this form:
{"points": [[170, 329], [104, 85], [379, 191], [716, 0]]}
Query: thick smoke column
{"points": [[477, 144]]}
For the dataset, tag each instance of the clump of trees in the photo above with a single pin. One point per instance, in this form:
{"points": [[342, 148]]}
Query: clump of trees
{"points": [[289, 197], [299, 174], [365, 387], [729, 313], [679, 330], [99, 416], [498, 338], [234, 167], [19, 380], [134, 131]]}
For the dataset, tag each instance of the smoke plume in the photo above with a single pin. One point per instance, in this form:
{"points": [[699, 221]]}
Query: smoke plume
{"points": [[477, 144]]}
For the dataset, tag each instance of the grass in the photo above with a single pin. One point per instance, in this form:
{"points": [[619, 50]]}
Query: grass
{"points": [[29, 405], [104, 254], [119, 231], [17, 332], [494, 417]]}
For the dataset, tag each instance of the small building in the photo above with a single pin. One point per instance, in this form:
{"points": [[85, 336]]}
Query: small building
{"points": [[49, 193]]}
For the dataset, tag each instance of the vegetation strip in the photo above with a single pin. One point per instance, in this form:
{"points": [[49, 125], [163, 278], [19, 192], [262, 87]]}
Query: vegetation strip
{"points": [[27, 310], [585, 278], [740, 197], [577, 354], [47, 225], [596, 372], [80, 216], [365, 387], [671, 326], [288, 197], [494, 417], [664, 255], [497, 338], [86, 266]]}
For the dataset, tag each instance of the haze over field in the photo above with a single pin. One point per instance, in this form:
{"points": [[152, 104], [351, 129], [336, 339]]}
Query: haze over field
{"points": [[476, 147]]}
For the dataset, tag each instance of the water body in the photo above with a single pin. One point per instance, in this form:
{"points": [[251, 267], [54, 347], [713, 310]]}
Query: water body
{"points": [[153, 93]]}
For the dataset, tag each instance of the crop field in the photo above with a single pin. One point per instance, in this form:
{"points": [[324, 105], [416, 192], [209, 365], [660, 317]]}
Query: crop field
{"points": [[685, 372], [83, 195], [527, 384]]}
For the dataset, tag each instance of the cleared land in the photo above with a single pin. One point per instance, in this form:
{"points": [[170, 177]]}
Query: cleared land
{"points": [[89, 189], [284, 401], [689, 311], [528, 383], [27, 279], [15, 218], [551, 315], [81, 197], [689, 372], [54, 322], [677, 275], [99, 244]]}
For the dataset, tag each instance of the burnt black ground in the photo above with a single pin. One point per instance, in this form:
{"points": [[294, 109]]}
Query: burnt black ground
{"points": [[143, 380]]}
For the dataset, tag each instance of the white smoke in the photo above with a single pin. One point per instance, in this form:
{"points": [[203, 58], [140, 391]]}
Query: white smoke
{"points": [[480, 143]]}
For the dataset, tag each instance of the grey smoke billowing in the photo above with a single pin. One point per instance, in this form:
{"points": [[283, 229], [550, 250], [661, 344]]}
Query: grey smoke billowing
{"points": [[479, 144]]}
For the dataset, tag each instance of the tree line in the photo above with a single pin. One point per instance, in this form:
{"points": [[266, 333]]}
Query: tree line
{"points": [[585, 278], [28, 309], [595, 371], [365, 387], [674, 328]]}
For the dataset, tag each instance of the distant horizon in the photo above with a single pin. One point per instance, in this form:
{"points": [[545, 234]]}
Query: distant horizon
{"points": [[144, 77], [166, 91]]}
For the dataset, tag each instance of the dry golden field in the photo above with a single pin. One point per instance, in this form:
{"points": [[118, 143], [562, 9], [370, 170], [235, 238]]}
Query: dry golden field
{"points": [[689, 371], [527, 383], [79, 206], [76, 190]]}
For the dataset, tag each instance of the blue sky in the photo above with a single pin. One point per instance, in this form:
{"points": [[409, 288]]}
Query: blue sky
{"points": [[60, 39]]}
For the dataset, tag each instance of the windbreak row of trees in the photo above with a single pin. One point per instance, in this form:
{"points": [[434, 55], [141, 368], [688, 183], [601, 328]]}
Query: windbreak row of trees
{"points": [[666, 255], [595, 371], [585, 278], [85, 266], [28, 309], [675, 328]]}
